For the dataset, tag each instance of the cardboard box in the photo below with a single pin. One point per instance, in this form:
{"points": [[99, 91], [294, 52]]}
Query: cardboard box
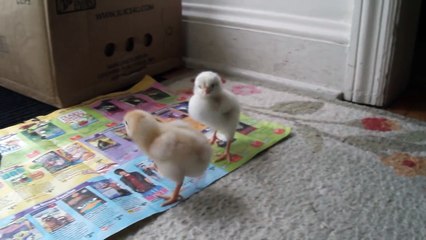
{"points": [[63, 52]]}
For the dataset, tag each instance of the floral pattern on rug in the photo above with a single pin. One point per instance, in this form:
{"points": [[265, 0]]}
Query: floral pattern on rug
{"points": [[402, 163], [245, 90], [380, 124], [405, 164], [298, 107]]}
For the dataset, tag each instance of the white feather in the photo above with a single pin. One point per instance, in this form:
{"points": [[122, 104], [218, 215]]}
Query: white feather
{"points": [[218, 110]]}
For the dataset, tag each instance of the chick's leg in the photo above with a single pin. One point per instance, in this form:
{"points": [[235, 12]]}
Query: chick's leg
{"points": [[227, 154], [174, 197], [214, 138]]}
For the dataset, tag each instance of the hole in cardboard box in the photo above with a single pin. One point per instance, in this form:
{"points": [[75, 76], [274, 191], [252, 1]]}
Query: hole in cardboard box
{"points": [[130, 44], [109, 49], [148, 40]]}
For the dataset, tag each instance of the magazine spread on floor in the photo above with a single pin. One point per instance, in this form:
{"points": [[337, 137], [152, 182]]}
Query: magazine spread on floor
{"points": [[74, 174]]}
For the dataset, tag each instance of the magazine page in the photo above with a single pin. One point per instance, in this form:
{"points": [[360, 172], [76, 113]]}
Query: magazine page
{"points": [[75, 174]]}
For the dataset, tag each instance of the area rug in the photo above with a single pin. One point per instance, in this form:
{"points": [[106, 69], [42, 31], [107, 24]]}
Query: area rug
{"points": [[346, 172]]}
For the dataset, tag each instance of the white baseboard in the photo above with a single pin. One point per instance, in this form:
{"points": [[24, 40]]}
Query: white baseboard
{"points": [[297, 51], [335, 32], [262, 77]]}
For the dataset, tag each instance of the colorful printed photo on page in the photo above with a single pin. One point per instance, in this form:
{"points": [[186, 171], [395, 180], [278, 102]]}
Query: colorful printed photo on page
{"points": [[77, 119], [83, 201], [245, 128], [110, 109], [123, 197], [120, 131], [21, 229], [140, 183], [110, 189], [114, 144], [183, 107], [148, 169], [53, 218], [41, 130], [10, 144], [155, 93], [19, 175], [102, 142], [169, 115], [54, 162], [140, 101], [133, 101]]}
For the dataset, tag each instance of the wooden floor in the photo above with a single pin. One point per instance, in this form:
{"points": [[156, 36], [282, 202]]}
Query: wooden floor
{"points": [[411, 104]]}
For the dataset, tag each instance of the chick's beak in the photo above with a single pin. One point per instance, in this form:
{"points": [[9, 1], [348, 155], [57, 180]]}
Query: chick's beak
{"points": [[206, 90]]}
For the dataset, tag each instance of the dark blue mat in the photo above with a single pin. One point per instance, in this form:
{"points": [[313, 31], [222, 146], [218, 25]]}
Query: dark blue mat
{"points": [[16, 108]]}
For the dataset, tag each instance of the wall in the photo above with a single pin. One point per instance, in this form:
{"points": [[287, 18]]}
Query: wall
{"points": [[301, 43], [335, 10]]}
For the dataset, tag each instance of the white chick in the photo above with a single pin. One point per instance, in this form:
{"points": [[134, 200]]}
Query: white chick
{"points": [[176, 149], [215, 107]]}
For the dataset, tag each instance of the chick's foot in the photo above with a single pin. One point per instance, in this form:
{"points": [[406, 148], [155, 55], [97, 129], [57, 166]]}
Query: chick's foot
{"points": [[170, 199], [224, 156]]}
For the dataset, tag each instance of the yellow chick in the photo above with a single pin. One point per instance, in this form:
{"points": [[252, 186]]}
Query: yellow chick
{"points": [[176, 149]]}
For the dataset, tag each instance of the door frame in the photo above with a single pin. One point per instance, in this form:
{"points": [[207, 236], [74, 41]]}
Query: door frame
{"points": [[371, 72]]}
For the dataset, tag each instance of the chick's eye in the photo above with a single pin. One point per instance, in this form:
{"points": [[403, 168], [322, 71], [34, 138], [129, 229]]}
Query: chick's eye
{"points": [[125, 122]]}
